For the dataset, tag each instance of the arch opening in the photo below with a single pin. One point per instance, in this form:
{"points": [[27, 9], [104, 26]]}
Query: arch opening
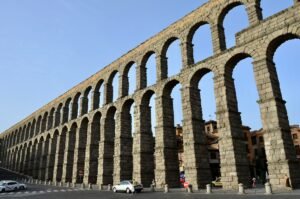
{"points": [[202, 42], [233, 19]]}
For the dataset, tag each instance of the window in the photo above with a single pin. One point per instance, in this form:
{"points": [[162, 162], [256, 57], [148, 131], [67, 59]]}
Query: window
{"points": [[213, 155], [208, 129], [247, 149], [253, 140], [261, 139], [255, 152], [297, 147], [295, 136]]}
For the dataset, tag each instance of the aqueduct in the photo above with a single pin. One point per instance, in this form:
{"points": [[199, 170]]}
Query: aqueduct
{"points": [[74, 134]]}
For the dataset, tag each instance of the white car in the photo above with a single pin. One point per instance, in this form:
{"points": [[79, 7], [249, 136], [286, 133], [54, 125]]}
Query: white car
{"points": [[9, 185], [128, 186]]}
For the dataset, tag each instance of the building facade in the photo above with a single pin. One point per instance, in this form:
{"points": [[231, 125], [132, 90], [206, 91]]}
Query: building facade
{"points": [[67, 141], [255, 148]]}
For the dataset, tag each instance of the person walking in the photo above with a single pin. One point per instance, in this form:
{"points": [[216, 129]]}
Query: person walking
{"points": [[253, 182]]}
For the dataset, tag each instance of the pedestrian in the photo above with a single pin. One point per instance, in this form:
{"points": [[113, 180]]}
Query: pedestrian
{"points": [[153, 183], [253, 182]]}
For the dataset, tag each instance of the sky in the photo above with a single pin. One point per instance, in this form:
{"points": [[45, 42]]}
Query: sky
{"points": [[49, 46]]}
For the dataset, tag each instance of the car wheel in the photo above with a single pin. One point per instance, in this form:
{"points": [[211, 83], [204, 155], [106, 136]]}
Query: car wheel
{"points": [[2, 190], [21, 188], [114, 190], [138, 191], [16, 188], [128, 190]]}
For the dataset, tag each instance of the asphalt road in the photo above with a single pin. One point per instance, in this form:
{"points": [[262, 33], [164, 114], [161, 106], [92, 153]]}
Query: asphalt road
{"points": [[49, 192]]}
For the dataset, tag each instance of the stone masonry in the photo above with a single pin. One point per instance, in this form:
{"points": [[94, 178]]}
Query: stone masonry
{"points": [[74, 139]]}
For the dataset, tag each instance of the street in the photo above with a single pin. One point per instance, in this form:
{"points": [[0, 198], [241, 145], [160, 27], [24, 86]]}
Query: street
{"points": [[42, 191]]}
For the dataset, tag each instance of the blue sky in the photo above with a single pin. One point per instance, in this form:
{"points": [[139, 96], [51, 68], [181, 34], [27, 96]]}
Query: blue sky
{"points": [[47, 47]]}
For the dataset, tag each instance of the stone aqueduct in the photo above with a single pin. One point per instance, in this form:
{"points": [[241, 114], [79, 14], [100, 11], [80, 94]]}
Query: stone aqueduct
{"points": [[63, 138]]}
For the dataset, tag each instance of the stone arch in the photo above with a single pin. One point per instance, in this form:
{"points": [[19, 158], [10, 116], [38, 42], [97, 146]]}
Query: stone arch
{"points": [[164, 69], [275, 117], [220, 20], [44, 122], [59, 157], [142, 76], [80, 149], [44, 157], [109, 93], [96, 103], [14, 158], [93, 149], [167, 88], [123, 143], [233, 61], [190, 46], [18, 135], [126, 83], [50, 118], [143, 141], [32, 129], [274, 44], [106, 158], [37, 158], [38, 125], [28, 131], [69, 153], [23, 138], [23, 158], [84, 101], [166, 130], [66, 111], [27, 157], [53, 145], [58, 115], [10, 140], [194, 131], [15, 138], [75, 101], [196, 77]]}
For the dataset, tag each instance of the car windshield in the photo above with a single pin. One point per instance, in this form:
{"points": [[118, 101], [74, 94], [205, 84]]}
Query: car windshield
{"points": [[2, 183]]}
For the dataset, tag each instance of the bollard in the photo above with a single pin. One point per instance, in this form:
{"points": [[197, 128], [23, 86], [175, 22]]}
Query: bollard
{"points": [[190, 188], [82, 185], [152, 188], [61, 184], [241, 189], [90, 186], [109, 187], [49, 182], [73, 184], [100, 187], [68, 184], [45, 182], [268, 188], [208, 189], [166, 188], [55, 183]]}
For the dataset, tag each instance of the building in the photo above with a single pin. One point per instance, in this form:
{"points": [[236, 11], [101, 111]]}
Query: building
{"points": [[295, 130], [254, 142]]}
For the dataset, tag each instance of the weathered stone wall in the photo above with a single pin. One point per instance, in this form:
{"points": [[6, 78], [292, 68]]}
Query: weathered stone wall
{"points": [[65, 141]]}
